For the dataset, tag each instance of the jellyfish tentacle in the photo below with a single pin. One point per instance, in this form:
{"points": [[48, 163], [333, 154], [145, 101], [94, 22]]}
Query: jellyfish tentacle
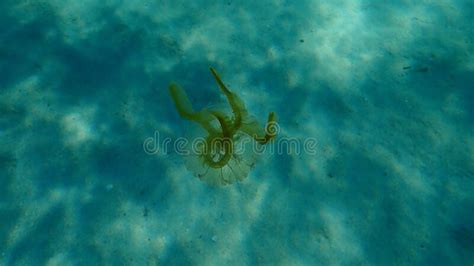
{"points": [[226, 141], [186, 110], [270, 131], [235, 103]]}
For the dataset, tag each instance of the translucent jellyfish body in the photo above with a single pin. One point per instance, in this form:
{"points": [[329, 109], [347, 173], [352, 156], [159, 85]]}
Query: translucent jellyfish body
{"points": [[223, 150]]}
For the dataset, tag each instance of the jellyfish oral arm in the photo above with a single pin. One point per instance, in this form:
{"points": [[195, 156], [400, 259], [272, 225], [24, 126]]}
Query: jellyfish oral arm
{"points": [[186, 111]]}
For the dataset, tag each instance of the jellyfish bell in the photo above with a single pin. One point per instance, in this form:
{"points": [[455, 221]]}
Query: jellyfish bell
{"points": [[206, 153]]}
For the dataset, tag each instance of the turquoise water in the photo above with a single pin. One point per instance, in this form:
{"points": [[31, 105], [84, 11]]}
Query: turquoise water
{"points": [[385, 89]]}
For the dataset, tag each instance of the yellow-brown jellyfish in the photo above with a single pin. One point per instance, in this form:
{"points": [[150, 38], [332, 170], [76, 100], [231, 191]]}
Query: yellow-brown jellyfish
{"points": [[225, 154]]}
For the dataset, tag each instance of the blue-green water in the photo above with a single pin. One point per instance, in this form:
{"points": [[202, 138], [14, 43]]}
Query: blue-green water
{"points": [[385, 89]]}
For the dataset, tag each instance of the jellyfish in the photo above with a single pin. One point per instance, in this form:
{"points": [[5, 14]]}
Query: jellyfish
{"points": [[225, 153]]}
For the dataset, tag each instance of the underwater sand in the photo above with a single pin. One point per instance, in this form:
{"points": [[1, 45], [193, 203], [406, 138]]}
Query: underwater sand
{"points": [[386, 90]]}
